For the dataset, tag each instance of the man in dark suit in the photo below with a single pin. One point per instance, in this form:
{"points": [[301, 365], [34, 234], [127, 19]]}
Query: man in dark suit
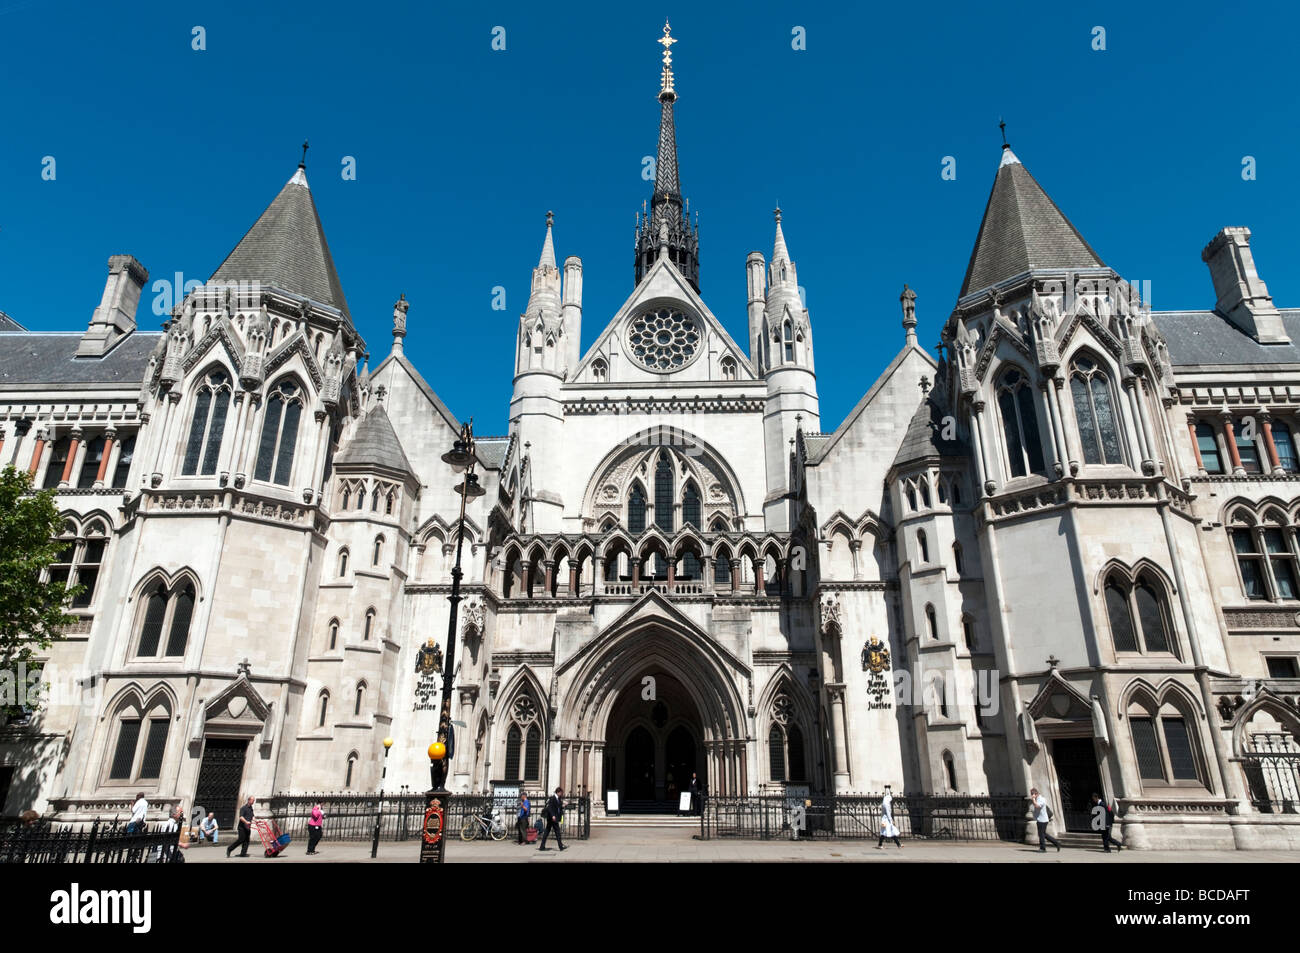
{"points": [[554, 813], [1103, 821], [697, 790]]}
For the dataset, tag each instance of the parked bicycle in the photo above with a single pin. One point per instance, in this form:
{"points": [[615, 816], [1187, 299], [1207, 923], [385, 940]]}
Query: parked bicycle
{"points": [[487, 824]]}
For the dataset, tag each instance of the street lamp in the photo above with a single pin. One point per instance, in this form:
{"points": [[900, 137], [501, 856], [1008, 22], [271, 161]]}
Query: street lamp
{"points": [[379, 808], [461, 459]]}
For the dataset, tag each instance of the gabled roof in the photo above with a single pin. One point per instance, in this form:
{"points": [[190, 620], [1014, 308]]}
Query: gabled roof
{"points": [[924, 436], [1022, 230], [286, 249], [9, 324], [375, 443]]}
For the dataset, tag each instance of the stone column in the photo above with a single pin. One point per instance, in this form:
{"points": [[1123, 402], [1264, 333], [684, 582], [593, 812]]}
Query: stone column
{"points": [[735, 575], [37, 452], [598, 574], [550, 575], [636, 571], [987, 483], [74, 452], [759, 562], [110, 448], [573, 578], [1054, 411], [1196, 446], [1266, 424], [1231, 438], [836, 692], [1056, 463]]}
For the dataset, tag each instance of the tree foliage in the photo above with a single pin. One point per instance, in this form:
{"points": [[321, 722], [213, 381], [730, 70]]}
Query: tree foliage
{"points": [[32, 611]]}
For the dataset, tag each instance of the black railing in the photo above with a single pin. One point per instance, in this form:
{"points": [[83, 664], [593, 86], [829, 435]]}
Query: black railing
{"points": [[93, 842], [1272, 767], [957, 817], [351, 817]]}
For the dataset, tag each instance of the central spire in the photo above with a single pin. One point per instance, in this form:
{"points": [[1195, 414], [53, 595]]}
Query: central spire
{"points": [[665, 228]]}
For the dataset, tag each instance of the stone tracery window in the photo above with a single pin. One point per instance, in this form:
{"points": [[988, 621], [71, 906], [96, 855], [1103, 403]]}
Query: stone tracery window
{"points": [[1265, 551], [1019, 424], [211, 402], [166, 610], [664, 339], [524, 740], [785, 742], [80, 558], [1094, 410], [1139, 608], [141, 740], [279, 433]]}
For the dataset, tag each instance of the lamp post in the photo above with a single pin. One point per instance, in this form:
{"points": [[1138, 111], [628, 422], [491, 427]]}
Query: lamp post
{"points": [[461, 459], [379, 808]]}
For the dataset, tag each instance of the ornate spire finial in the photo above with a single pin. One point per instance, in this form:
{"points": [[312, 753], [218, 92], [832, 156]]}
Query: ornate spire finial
{"points": [[1003, 126], [550, 219], [302, 163], [666, 92], [777, 213]]}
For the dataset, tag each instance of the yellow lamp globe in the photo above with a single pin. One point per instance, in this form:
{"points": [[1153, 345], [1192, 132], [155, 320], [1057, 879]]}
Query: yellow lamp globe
{"points": [[437, 751]]}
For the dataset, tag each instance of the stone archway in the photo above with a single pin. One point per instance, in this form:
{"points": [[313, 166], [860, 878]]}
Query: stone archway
{"points": [[652, 743], [604, 693]]}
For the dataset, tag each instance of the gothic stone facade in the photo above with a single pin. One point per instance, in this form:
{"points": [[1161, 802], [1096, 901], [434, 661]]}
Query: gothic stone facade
{"points": [[1063, 554]]}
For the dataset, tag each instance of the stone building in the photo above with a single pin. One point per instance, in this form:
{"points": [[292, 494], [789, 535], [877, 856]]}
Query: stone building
{"points": [[1061, 554]]}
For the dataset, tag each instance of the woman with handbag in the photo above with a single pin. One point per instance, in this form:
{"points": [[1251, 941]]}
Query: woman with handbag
{"points": [[314, 827]]}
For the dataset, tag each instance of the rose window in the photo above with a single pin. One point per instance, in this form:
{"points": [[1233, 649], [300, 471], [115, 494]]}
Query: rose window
{"points": [[664, 340]]}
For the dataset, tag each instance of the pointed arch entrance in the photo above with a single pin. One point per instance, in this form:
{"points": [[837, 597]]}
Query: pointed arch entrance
{"points": [[648, 702]]}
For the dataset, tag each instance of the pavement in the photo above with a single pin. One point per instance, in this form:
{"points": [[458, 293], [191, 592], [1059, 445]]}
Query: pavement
{"points": [[656, 845]]}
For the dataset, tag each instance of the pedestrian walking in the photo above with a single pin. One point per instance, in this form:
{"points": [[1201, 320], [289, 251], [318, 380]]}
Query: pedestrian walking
{"points": [[139, 809], [887, 828], [554, 814], [243, 829], [525, 811], [1103, 819], [315, 827], [1042, 815]]}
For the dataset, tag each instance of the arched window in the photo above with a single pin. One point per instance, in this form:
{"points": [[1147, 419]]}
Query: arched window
{"points": [[352, 763], [361, 497], [728, 369], [343, 562], [374, 500], [324, 709], [347, 497], [722, 569], [664, 494], [1094, 410], [1165, 743], [524, 740], [931, 622], [950, 770], [691, 506], [940, 489], [1139, 609], [776, 752], [378, 553], [1208, 447], [166, 611], [211, 401], [924, 486], [370, 624], [1020, 424], [388, 505], [922, 546], [636, 510], [334, 634], [785, 742], [599, 370], [956, 559], [1284, 444], [787, 335], [279, 434], [968, 631], [79, 560], [956, 492], [141, 742], [361, 697], [910, 492]]}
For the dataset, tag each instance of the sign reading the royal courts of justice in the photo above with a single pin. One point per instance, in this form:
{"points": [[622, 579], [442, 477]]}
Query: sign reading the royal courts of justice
{"points": [[875, 662], [428, 666]]}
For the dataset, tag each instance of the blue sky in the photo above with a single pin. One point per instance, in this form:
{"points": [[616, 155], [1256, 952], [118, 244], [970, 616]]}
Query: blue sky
{"points": [[169, 153]]}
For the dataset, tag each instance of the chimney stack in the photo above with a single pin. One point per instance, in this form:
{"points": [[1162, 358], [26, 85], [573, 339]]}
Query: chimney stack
{"points": [[115, 316], [1242, 296]]}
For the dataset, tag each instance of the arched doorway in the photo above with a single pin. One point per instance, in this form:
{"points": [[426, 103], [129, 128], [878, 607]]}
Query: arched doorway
{"points": [[652, 743]]}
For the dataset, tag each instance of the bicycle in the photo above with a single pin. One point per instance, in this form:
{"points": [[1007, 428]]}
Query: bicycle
{"points": [[484, 825]]}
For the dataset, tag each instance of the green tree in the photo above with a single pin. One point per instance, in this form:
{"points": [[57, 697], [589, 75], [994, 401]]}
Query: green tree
{"points": [[32, 612]]}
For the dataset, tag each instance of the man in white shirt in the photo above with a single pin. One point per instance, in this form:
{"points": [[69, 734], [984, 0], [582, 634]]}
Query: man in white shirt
{"points": [[138, 812], [1041, 817]]}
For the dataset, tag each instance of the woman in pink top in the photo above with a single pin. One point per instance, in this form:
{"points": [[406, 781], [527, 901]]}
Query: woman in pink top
{"points": [[314, 828]]}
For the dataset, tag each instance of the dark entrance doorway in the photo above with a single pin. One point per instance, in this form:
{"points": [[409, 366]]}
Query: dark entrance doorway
{"points": [[6, 779], [1076, 773], [220, 778], [639, 766], [679, 755]]}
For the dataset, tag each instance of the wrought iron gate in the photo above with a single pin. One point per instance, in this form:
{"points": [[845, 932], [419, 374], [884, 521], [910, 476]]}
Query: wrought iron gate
{"points": [[220, 778]]}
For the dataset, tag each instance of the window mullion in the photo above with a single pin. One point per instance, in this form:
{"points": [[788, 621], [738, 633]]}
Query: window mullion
{"points": [[1262, 548]]}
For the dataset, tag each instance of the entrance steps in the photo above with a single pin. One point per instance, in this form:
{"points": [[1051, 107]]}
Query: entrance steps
{"points": [[659, 821], [1077, 840]]}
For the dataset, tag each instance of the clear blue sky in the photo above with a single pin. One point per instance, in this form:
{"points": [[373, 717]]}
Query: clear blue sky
{"points": [[170, 154]]}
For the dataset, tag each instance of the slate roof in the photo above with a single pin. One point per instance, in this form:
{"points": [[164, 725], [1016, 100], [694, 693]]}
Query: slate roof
{"points": [[50, 358], [924, 436], [286, 248], [9, 324], [1022, 229], [492, 451], [1206, 338], [375, 443]]}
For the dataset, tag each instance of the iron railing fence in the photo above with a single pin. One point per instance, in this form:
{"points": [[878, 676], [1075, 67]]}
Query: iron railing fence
{"points": [[1272, 767], [351, 817], [958, 817], [92, 842]]}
